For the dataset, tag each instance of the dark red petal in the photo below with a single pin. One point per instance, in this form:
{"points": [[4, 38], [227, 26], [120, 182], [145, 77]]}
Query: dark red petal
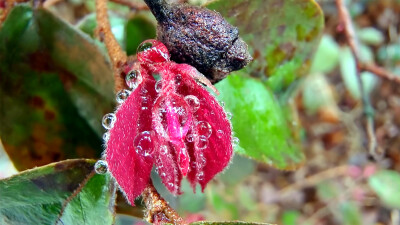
{"points": [[211, 154], [129, 165], [167, 167]]}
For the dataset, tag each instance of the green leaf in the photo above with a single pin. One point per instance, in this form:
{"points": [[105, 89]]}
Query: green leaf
{"points": [[138, 29], [290, 217], [241, 168], [36, 196], [56, 86], [228, 223], [350, 213], [282, 35], [371, 36], [386, 184], [259, 122]]}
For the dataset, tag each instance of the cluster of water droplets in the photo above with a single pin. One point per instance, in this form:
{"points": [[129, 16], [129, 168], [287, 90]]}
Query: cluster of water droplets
{"points": [[229, 115], [108, 123]]}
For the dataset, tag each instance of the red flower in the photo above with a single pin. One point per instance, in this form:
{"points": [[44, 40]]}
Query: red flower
{"points": [[174, 123]]}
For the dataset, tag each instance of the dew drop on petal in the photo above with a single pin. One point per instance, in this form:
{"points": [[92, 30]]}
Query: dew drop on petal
{"points": [[122, 96], [163, 174], [200, 175], [190, 138], [106, 136], [163, 149], [143, 144], [235, 141], [220, 133], [178, 79], [229, 115], [204, 129], [101, 167], [144, 108], [158, 86], [133, 79], [144, 46], [171, 184], [193, 102], [109, 120], [222, 103], [202, 142]]}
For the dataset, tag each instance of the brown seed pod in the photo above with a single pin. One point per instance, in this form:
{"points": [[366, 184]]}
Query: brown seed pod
{"points": [[201, 38]]}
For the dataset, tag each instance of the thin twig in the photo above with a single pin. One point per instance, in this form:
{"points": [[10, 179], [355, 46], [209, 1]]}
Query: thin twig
{"points": [[381, 72], [158, 210], [117, 55], [316, 179], [351, 39]]}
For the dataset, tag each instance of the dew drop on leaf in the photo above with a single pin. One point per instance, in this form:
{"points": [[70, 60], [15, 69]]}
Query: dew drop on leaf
{"points": [[133, 79], [143, 144], [204, 129], [202, 142], [193, 102], [122, 96], [101, 167], [109, 120]]}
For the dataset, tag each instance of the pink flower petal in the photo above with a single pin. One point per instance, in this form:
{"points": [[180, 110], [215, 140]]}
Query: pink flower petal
{"points": [[130, 145], [212, 145]]}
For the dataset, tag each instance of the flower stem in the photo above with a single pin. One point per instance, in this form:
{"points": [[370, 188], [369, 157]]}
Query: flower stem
{"points": [[157, 209], [117, 55]]}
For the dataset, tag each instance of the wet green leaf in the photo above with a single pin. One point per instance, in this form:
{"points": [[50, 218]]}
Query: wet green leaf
{"points": [[386, 184], [259, 122], [282, 35], [36, 196], [55, 87]]}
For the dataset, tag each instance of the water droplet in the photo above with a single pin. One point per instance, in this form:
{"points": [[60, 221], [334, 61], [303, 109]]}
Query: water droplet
{"points": [[163, 174], [235, 141], [133, 79], [163, 149], [158, 86], [193, 102], [101, 167], [229, 115], [109, 120], [143, 144], [144, 46], [106, 136], [220, 133], [202, 142], [171, 184], [204, 129], [200, 175], [178, 79], [222, 103], [122, 96], [145, 108], [190, 138]]}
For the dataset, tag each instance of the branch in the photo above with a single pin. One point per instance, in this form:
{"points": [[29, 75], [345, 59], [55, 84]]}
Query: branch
{"points": [[158, 210], [381, 72], [117, 55], [345, 19]]}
